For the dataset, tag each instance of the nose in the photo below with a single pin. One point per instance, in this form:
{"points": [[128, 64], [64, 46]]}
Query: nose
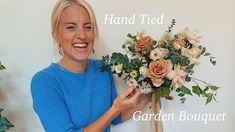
{"points": [[81, 34]]}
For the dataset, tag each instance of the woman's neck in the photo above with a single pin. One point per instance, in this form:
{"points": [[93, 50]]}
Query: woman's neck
{"points": [[73, 66]]}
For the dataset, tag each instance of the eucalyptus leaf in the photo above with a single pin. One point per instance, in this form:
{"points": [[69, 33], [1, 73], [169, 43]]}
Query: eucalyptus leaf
{"points": [[188, 79], [203, 50], [197, 90], [209, 99], [181, 94], [185, 90], [214, 88], [183, 100], [207, 54]]}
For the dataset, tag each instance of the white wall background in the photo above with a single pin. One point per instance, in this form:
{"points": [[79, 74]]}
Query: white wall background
{"points": [[26, 46]]}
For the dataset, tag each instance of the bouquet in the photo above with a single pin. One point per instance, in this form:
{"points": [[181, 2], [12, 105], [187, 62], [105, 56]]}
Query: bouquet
{"points": [[5, 124], [163, 66]]}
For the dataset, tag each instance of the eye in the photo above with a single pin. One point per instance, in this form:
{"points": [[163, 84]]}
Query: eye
{"points": [[71, 28], [88, 27]]}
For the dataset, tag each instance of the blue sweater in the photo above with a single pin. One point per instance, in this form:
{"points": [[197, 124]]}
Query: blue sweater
{"points": [[68, 102]]}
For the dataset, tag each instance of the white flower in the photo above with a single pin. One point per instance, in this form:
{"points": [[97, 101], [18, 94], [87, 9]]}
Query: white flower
{"points": [[158, 84], [127, 45], [132, 82], [166, 36], [118, 68], [129, 41], [155, 54], [143, 71], [158, 53], [195, 61], [177, 82], [131, 56], [164, 52], [192, 54], [191, 35], [133, 74], [140, 33], [146, 90]]}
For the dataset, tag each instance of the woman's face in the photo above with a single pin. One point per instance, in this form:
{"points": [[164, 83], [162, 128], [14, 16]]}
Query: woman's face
{"points": [[75, 33]]}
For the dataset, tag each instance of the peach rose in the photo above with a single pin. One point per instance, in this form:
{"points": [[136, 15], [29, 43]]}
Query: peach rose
{"points": [[144, 43], [157, 71]]}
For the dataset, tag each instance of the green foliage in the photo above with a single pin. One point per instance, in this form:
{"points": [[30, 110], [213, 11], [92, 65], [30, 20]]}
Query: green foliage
{"points": [[185, 90], [162, 91], [209, 92], [203, 52], [182, 60], [170, 28], [5, 124]]}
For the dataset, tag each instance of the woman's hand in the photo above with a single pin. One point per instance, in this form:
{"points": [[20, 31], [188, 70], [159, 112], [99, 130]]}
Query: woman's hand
{"points": [[143, 100], [123, 102], [126, 100]]}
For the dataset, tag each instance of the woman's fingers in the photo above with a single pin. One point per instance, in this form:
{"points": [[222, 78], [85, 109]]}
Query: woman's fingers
{"points": [[128, 99], [134, 98], [127, 93]]}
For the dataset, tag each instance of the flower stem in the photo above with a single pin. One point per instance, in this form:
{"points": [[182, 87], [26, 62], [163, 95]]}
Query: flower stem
{"points": [[195, 79]]}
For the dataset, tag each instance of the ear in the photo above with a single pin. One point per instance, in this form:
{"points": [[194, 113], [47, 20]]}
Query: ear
{"points": [[56, 37]]}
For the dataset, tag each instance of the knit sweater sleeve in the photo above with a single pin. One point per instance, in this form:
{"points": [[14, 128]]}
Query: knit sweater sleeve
{"points": [[49, 104]]}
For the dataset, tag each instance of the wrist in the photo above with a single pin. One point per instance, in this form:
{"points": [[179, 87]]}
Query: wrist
{"points": [[115, 111]]}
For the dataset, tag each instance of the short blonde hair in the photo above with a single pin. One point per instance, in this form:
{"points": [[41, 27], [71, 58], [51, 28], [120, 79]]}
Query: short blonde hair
{"points": [[62, 4]]}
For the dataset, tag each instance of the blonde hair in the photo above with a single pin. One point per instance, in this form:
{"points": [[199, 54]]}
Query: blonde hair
{"points": [[62, 4]]}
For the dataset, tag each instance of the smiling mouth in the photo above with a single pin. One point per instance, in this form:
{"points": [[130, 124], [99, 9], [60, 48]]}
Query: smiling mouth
{"points": [[80, 45]]}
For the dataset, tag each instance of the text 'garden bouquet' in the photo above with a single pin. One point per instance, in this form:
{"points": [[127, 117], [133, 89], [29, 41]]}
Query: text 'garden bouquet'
{"points": [[162, 66]]}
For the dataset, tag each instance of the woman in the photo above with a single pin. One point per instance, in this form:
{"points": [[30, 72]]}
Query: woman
{"points": [[73, 95]]}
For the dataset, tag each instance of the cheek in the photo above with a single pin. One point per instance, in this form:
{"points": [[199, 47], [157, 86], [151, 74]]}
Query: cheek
{"points": [[91, 37], [66, 37]]}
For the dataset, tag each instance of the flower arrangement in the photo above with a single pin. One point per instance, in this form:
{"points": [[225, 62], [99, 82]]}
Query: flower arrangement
{"points": [[5, 124], [163, 66]]}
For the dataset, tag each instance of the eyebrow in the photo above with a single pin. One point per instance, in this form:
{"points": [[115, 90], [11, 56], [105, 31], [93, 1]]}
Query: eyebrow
{"points": [[76, 24]]}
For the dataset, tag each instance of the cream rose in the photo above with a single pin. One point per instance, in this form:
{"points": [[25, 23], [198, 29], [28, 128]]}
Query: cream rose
{"points": [[195, 52], [143, 71], [191, 35], [157, 71], [192, 54]]}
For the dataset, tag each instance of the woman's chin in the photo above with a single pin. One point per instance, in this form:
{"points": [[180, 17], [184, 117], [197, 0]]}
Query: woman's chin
{"points": [[81, 57]]}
